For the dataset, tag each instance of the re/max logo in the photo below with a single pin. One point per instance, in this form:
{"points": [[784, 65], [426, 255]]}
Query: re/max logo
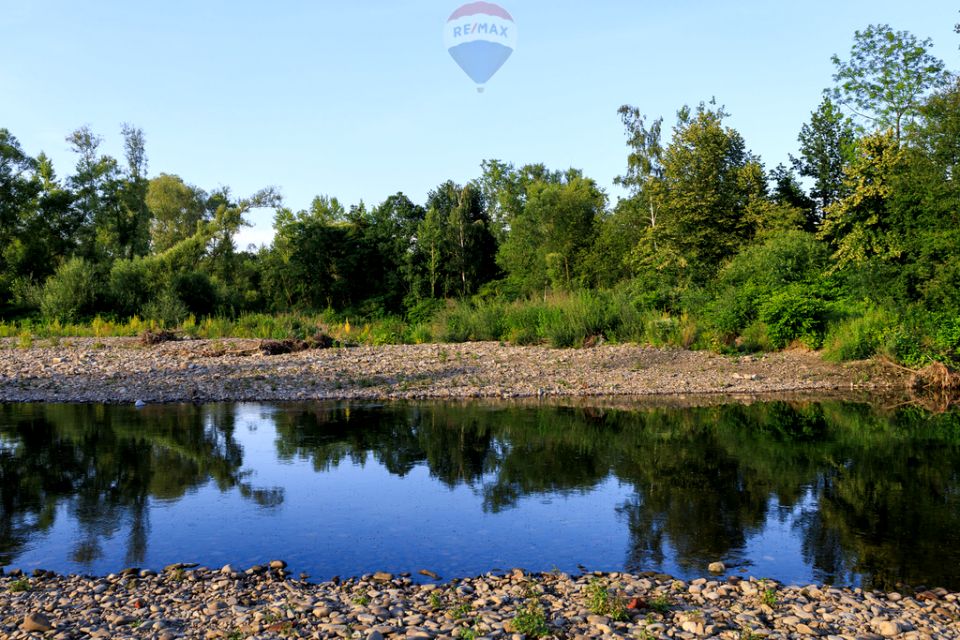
{"points": [[480, 27]]}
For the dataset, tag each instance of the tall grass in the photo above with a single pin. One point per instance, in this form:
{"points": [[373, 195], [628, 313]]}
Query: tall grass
{"points": [[564, 320]]}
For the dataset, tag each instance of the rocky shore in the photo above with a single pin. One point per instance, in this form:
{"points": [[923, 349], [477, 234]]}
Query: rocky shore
{"points": [[184, 601], [123, 370]]}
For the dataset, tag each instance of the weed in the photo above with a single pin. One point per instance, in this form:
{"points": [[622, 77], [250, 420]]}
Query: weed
{"points": [[661, 603], [19, 586], [460, 611], [601, 602], [362, 600], [531, 620], [178, 575], [25, 340], [435, 600], [769, 597]]}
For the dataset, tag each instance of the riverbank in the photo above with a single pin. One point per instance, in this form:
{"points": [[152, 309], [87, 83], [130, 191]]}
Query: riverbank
{"points": [[263, 602], [123, 370]]}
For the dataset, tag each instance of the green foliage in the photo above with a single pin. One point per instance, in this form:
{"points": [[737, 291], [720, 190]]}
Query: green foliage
{"points": [[601, 602], [20, 585], [530, 620], [859, 335], [660, 603], [72, 292], [794, 314], [887, 75]]}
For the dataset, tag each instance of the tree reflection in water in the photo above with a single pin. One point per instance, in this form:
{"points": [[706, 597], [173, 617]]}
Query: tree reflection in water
{"points": [[871, 495], [105, 464]]}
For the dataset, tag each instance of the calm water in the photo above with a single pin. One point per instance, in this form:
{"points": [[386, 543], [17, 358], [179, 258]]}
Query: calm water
{"points": [[800, 492]]}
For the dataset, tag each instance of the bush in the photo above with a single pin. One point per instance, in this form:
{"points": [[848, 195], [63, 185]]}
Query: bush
{"points": [[167, 309], [129, 286], [859, 337], [71, 292], [522, 322], [794, 314], [195, 290]]}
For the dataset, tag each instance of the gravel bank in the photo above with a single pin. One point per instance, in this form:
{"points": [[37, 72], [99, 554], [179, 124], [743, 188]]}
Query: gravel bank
{"points": [[121, 370], [261, 602]]}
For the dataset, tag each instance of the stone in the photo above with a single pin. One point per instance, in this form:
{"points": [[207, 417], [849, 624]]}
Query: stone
{"points": [[716, 567], [886, 628], [278, 564], [383, 576], [36, 622], [429, 574]]}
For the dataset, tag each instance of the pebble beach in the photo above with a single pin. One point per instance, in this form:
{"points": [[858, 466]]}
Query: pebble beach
{"points": [[184, 601]]}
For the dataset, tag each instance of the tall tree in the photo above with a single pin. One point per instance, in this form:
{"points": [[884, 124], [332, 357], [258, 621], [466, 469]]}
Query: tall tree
{"points": [[826, 145], [176, 209], [93, 183], [859, 226], [887, 76], [710, 183], [551, 235], [644, 162]]}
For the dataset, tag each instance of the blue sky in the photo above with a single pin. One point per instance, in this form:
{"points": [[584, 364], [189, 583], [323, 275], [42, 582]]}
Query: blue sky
{"points": [[360, 100]]}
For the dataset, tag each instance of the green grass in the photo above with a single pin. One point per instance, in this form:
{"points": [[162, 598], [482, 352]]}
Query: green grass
{"points": [[19, 585], [601, 602], [661, 603], [531, 620]]}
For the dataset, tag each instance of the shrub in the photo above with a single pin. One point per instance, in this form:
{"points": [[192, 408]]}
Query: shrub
{"points": [[521, 322], [167, 309], [859, 337], [71, 292], [196, 291], [129, 286], [794, 314]]}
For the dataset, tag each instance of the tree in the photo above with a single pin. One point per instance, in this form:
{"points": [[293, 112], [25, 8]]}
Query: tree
{"points": [[16, 190], [453, 254], [887, 76], [93, 183], [859, 226], [551, 235], [826, 145], [709, 181], [645, 161], [176, 209]]}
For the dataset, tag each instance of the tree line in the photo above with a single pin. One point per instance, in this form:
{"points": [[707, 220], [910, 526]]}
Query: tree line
{"points": [[859, 230]]}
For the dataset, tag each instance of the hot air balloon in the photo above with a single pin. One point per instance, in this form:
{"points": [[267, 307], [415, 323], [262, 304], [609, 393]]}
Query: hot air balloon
{"points": [[480, 36]]}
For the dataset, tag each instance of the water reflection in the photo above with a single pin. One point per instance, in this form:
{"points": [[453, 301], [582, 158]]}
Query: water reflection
{"points": [[863, 495]]}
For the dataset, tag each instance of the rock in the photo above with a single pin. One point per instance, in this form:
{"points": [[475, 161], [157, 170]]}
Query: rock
{"points": [[886, 628], [228, 569], [383, 576], [429, 574], [278, 564], [716, 567], [374, 635], [806, 630], [36, 622]]}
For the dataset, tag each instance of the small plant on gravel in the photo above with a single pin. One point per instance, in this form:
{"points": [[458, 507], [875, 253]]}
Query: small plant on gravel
{"points": [[468, 633], [25, 340], [460, 611], [235, 635], [178, 575], [601, 602], [661, 603], [435, 600], [19, 586], [362, 600], [531, 620], [768, 594]]}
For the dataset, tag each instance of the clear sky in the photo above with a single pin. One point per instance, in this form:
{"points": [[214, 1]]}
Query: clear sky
{"points": [[360, 99]]}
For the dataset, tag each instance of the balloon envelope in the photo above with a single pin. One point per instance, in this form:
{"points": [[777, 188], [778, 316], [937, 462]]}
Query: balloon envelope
{"points": [[480, 37]]}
